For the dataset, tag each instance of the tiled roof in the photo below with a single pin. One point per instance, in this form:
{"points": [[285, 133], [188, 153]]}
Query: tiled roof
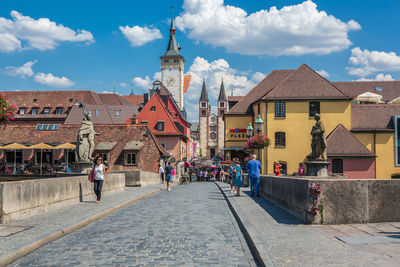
{"points": [[390, 89], [370, 117], [136, 100], [235, 98], [305, 83], [341, 143], [244, 105]]}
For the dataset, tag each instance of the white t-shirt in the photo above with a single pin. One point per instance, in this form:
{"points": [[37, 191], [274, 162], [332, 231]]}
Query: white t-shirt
{"points": [[99, 172]]}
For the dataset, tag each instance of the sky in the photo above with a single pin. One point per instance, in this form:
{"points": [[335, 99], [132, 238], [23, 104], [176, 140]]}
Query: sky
{"points": [[101, 45]]}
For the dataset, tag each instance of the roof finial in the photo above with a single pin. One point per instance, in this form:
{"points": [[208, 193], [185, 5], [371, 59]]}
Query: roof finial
{"points": [[114, 87], [132, 92], [232, 91]]}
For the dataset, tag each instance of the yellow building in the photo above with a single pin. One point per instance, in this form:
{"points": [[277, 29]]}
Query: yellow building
{"points": [[287, 100]]}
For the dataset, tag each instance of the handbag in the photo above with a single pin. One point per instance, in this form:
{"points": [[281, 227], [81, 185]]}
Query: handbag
{"points": [[91, 176]]}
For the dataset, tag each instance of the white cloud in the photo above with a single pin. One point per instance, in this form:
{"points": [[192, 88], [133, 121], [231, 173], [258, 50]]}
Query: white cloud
{"points": [[144, 83], [53, 81], [42, 34], [22, 71], [323, 73], [378, 77], [123, 84], [365, 62], [292, 30], [139, 36]]}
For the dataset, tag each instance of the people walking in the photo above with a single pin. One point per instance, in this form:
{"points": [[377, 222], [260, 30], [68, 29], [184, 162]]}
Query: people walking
{"points": [[100, 175], [173, 174], [237, 178], [254, 167], [161, 172], [222, 175], [168, 175], [231, 176], [205, 174]]}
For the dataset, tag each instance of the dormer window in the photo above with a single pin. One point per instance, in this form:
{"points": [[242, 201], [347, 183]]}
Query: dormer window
{"points": [[59, 110], [34, 100], [22, 111], [117, 113], [70, 100], [46, 111], [153, 108], [379, 88], [97, 113], [35, 111]]}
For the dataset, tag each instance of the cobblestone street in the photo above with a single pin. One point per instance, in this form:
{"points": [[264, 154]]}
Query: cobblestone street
{"points": [[192, 225]]}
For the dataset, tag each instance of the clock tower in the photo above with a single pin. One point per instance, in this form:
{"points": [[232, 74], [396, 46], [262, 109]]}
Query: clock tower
{"points": [[172, 67]]}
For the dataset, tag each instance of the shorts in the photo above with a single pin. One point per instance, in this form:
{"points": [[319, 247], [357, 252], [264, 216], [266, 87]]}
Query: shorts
{"points": [[169, 178]]}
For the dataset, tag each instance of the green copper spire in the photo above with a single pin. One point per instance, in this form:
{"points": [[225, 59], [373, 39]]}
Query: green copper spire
{"points": [[132, 92]]}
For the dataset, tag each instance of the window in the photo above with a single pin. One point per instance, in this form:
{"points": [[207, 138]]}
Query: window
{"points": [[160, 126], [130, 158], [164, 145], [203, 113], [59, 110], [97, 112], [22, 111], [35, 111], [213, 128], [104, 156], [280, 139], [47, 127], [313, 109], [221, 113], [71, 99], [153, 108], [337, 166], [203, 104], [34, 100], [280, 110], [221, 104], [46, 111], [166, 60], [379, 88], [117, 113]]}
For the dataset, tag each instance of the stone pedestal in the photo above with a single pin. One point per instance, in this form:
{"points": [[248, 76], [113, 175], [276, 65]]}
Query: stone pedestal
{"points": [[317, 168], [84, 167]]}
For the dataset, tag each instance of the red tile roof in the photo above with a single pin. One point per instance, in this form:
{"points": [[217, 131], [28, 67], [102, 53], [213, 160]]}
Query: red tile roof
{"points": [[305, 83], [390, 89], [136, 100], [342, 143], [373, 117]]}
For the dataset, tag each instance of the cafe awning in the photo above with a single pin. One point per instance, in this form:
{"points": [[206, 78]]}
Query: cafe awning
{"points": [[14, 146], [65, 146], [42, 146], [133, 145], [231, 148], [106, 145]]}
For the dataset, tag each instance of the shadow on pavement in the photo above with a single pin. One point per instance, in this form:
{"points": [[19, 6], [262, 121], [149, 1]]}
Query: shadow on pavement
{"points": [[277, 213]]}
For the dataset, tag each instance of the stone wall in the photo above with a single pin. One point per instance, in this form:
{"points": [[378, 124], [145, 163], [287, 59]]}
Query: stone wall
{"points": [[21, 199], [142, 178], [343, 200]]}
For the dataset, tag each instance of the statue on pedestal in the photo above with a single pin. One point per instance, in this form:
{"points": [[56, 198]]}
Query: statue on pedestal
{"points": [[318, 141], [85, 140]]}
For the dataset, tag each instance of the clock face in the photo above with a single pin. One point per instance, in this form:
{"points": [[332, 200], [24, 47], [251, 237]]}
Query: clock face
{"points": [[170, 80]]}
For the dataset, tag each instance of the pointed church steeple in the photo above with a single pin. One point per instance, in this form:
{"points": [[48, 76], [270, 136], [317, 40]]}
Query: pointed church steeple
{"points": [[173, 47], [222, 94], [204, 95]]}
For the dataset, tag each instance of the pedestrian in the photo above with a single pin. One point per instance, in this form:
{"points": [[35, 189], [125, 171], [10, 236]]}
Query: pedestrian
{"points": [[168, 175], [173, 175], [222, 175], [100, 175], [300, 171], [254, 167], [231, 175], [205, 175], [161, 172], [237, 178], [277, 168]]}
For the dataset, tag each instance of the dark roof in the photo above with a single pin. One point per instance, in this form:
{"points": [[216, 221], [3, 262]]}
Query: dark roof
{"points": [[222, 95], [390, 89], [235, 98], [342, 143], [204, 95], [373, 117], [244, 105], [106, 114], [173, 48], [305, 83]]}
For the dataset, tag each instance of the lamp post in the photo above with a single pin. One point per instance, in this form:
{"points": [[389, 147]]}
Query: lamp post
{"points": [[258, 125], [249, 130]]}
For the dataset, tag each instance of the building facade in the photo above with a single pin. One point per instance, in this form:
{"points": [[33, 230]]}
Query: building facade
{"points": [[211, 126], [287, 100]]}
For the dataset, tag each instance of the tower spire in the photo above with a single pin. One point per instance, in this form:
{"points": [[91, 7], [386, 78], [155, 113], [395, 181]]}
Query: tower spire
{"points": [[132, 92], [204, 96], [173, 47], [222, 95]]}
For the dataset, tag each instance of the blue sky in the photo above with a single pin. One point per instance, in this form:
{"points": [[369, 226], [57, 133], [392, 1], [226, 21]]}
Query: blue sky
{"points": [[82, 44]]}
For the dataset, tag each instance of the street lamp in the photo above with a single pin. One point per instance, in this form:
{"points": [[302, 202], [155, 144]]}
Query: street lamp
{"points": [[249, 130], [258, 124]]}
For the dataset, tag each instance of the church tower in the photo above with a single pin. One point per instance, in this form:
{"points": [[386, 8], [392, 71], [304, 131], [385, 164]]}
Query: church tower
{"points": [[222, 109], [172, 67], [204, 113]]}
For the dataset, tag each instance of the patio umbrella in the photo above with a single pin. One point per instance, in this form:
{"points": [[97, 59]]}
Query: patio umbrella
{"points": [[14, 146], [66, 146], [42, 146]]}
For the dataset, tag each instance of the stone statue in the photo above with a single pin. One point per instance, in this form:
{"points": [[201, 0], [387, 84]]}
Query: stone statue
{"points": [[318, 141], [85, 140]]}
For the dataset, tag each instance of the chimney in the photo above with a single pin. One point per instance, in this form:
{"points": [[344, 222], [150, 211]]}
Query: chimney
{"points": [[145, 99]]}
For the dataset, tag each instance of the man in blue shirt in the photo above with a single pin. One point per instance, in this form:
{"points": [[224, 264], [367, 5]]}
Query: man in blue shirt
{"points": [[254, 167]]}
